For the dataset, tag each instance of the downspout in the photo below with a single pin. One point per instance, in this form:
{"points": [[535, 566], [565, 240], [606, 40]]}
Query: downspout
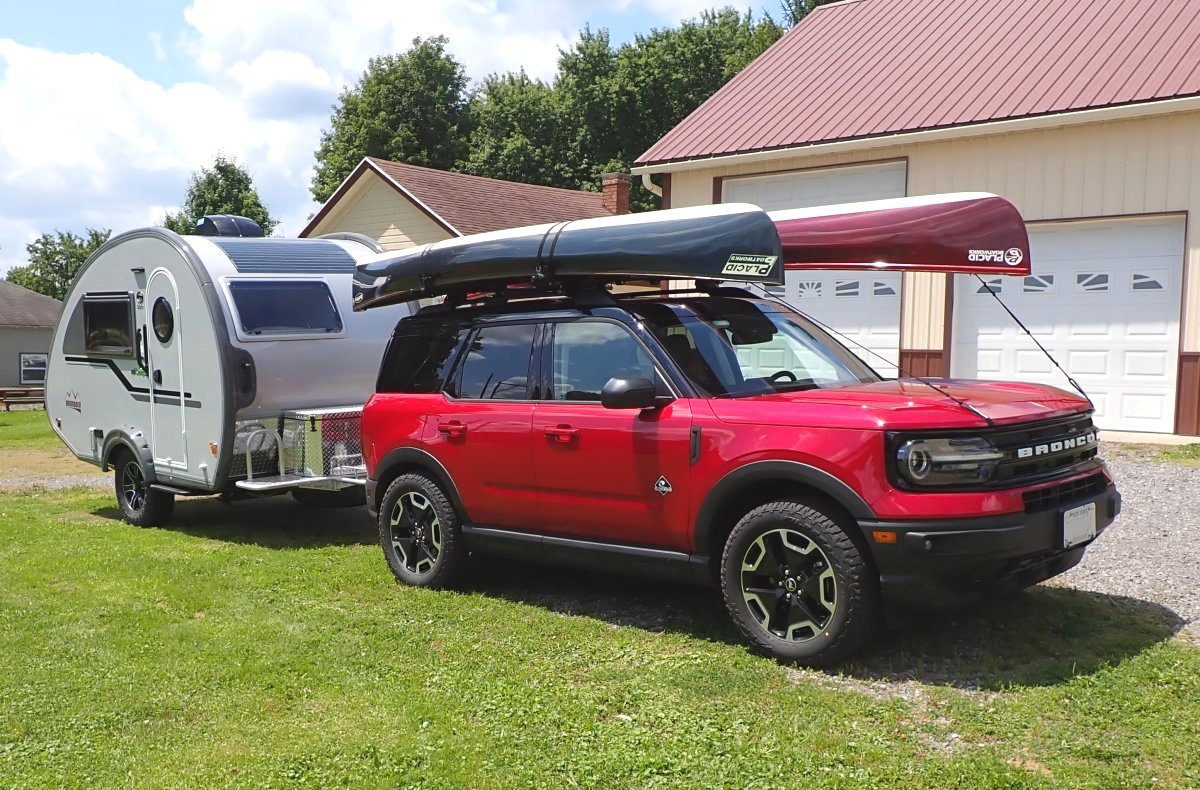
{"points": [[650, 186]]}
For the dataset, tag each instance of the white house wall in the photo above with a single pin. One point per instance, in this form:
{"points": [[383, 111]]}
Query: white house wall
{"points": [[1120, 168]]}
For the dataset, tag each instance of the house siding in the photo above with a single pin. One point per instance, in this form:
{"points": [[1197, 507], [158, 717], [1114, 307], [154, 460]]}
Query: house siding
{"points": [[375, 209], [15, 341], [1119, 168]]}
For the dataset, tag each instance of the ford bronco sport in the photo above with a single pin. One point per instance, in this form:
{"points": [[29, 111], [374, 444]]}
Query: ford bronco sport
{"points": [[714, 436]]}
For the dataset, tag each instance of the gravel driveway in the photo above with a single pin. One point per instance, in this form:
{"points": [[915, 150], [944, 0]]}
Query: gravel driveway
{"points": [[1151, 552]]}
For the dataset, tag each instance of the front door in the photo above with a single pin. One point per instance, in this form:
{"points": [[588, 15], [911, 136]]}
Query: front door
{"points": [[617, 475], [164, 343]]}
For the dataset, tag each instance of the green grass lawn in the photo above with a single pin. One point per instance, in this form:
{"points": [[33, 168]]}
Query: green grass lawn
{"points": [[1188, 454], [26, 430], [266, 644]]}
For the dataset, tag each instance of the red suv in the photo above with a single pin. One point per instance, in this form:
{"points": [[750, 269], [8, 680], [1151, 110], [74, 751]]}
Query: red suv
{"points": [[715, 437]]}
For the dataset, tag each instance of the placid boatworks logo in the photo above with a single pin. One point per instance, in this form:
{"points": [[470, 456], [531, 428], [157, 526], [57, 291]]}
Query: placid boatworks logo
{"points": [[1013, 256], [749, 265], [73, 401]]}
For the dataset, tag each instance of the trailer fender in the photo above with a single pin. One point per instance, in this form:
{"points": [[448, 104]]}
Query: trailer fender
{"points": [[133, 439]]}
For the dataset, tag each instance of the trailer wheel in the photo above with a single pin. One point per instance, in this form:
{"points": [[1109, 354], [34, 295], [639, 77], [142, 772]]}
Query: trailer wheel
{"points": [[420, 533], [797, 586], [140, 504], [354, 496]]}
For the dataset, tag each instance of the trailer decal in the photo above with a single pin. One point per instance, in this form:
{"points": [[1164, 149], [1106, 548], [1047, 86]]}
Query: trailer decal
{"points": [[121, 375]]}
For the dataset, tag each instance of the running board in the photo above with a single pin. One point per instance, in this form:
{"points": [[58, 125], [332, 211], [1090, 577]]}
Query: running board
{"points": [[595, 555], [279, 482]]}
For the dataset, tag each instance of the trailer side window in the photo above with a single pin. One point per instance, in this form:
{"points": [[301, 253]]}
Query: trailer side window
{"points": [[273, 307], [108, 325]]}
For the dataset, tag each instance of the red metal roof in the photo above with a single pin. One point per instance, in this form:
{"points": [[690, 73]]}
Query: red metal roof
{"points": [[467, 204], [862, 68]]}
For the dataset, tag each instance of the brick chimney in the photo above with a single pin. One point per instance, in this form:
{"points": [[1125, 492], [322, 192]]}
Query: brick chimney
{"points": [[614, 190]]}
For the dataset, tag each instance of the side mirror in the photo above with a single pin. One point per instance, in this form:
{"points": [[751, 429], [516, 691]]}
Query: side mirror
{"points": [[635, 393]]}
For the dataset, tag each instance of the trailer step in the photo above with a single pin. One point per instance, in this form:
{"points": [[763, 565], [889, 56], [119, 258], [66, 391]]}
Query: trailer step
{"points": [[292, 480]]}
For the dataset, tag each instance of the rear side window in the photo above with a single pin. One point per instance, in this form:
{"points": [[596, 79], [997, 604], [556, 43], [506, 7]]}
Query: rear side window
{"points": [[419, 359], [496, 365], [108, 325], [275, 307]]}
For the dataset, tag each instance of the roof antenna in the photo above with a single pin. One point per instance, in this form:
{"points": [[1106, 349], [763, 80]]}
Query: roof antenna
{"points": [[1054, 361], [872, 352]]}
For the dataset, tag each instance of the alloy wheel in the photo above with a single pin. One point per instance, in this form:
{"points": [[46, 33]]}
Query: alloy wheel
{"points": [[415, 532], [789, 585], [133, 486]]}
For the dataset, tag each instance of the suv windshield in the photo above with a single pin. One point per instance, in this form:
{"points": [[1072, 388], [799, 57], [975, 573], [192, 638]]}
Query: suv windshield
{"points": [[734, 347]]}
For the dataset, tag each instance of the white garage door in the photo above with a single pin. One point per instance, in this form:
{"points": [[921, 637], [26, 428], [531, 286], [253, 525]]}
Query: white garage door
{"points": [[1104, 300], [863, 307]]}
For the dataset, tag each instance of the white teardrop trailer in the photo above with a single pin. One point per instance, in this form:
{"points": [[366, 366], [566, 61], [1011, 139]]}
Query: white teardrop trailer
{"points": [[223, 363]]}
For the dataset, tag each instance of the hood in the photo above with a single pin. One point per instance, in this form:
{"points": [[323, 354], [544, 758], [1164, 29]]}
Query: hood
{"points": [[904, 404]]}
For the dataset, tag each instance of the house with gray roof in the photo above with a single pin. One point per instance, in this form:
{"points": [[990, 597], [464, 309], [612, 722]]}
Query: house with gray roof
{"points": [[26, 326]]}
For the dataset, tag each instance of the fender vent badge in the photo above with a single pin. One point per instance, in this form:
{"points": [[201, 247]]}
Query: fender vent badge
{"points": [[663, 486]]}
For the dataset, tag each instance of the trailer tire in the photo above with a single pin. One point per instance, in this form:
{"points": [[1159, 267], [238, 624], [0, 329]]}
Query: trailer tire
{"points": [[420, 533], [140, 505], [354, 496]]}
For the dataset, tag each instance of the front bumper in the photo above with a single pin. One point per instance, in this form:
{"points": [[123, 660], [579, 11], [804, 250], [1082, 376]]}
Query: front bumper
{"points": [[951, 563]]}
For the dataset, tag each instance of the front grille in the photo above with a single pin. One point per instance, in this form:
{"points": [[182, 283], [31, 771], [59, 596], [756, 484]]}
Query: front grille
{"points": [[1054, 497], [1039, 451]]}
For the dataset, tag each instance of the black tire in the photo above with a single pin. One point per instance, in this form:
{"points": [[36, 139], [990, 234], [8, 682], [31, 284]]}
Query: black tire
{"points": [[140, 504], [354, 496], [797, 586], [420, 533]]}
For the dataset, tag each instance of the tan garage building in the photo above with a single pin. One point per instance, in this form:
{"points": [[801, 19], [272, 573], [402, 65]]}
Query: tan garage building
{"points": [[1085, 115]]}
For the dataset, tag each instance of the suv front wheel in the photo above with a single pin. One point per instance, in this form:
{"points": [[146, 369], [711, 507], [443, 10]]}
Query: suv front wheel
{"points": [[420, 532], [797, 586]]}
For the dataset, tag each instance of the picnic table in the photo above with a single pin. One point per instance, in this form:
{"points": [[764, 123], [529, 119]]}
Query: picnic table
{"points": [[14, 395]]}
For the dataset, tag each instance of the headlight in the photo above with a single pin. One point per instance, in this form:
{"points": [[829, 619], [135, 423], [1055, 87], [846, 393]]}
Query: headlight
{"points": [[947, 461]]}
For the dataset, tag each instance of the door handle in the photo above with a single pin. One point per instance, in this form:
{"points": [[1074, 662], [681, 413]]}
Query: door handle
{"points": [[452, 428], [562, 433], [157, 376]]}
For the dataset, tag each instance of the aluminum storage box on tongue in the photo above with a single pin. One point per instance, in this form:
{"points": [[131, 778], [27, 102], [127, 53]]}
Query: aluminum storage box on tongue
{"points": [[324, 442]]}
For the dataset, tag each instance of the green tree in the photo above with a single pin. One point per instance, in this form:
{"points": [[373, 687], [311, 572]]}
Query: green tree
{"points": [[620, 101], [410, 107], [519, 132], [225, 188], [792, 11], [54, 260]]}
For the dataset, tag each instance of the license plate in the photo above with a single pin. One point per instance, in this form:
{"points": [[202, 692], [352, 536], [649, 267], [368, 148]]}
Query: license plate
{"points": [[1079, 525]]}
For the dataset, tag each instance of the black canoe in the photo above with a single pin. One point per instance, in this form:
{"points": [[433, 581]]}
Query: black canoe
{"points": [[729, 242]]}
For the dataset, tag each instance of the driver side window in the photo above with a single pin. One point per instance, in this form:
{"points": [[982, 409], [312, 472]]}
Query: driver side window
{"points": [[589, 353]]}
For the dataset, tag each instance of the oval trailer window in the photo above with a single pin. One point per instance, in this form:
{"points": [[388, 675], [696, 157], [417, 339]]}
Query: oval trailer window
{"points": [[164, 319]]}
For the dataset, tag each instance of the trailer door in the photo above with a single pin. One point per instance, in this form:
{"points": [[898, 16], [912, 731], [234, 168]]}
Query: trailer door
{"points": [[168, 395]]}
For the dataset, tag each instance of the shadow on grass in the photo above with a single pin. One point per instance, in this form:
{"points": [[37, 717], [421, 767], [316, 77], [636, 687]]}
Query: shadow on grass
{"points": [[272, 522], [1043, 636]]}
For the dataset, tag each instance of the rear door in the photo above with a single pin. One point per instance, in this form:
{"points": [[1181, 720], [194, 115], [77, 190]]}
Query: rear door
{"points": [[608, 474], [480, 428]]}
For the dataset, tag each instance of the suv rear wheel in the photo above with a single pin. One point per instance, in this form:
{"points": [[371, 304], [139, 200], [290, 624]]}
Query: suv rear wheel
{"points": [[797, 586], [420, 532]]}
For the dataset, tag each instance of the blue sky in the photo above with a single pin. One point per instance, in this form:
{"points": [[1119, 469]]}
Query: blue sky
{"points": [[107, 107]]}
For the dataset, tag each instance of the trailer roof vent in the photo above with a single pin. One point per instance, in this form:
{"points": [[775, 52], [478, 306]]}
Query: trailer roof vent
{"points": [[228, 225]]}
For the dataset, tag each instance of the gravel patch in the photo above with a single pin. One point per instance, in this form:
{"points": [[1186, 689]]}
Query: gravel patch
{"points": [[55, 482], [1151, 551]]}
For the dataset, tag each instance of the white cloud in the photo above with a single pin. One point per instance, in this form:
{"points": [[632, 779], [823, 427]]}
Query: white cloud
{"points": [[84, 141]]}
